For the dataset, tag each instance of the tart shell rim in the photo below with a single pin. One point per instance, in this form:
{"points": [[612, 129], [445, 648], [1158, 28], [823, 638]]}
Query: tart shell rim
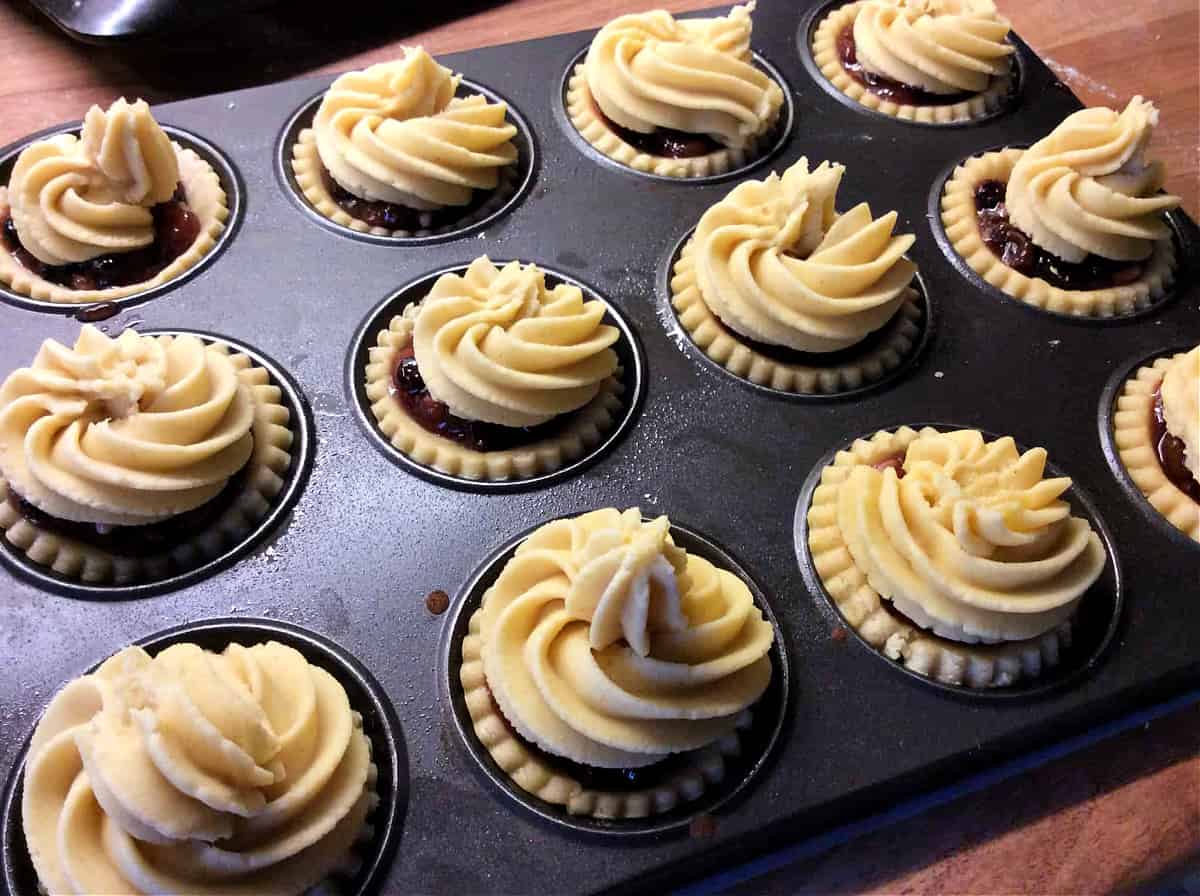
{"points": [[726, 162], [543, 781], [267, 475], [958, 220], [1011, 669], [306, 169], [201, 184], [1128, 425], [590, 425], [909, 326], [374, 847], [822, 50]]}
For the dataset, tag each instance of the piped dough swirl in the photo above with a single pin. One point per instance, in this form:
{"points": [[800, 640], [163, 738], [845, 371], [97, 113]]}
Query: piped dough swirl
{"points": [[498, 346], [1181, 406], [940, 46], [605, 643], [1086, 187], [395, 132], [650, 70], [124, 431], [234, 773], [971, 542], [73, 199], [778, 264]]}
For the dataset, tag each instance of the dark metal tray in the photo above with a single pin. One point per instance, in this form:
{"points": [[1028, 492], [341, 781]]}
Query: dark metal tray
{"points": [[367, 540]]}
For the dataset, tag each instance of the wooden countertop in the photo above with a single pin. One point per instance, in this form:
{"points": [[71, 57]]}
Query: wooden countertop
{"points": [[1105, 50], [1117, 815]]}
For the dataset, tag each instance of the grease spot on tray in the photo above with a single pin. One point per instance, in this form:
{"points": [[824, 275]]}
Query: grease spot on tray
{"points": [[571, 260], [333, 613]]}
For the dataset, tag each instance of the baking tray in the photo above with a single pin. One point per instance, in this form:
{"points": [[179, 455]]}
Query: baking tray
{"points": [[368, 540]]}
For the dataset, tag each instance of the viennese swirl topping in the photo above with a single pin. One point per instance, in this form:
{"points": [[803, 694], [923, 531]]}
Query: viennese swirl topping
{"points": [[499, 346], [940, 46], [73, 199], [124, 431], [1086, 187], [606, 644], [396, 132], [239, 772], [778, 264], [650, 70], [970, 541], [1181, 406]]}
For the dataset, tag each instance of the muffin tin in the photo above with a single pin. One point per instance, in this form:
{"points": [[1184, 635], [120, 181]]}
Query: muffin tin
{"points": [[367, 540]]}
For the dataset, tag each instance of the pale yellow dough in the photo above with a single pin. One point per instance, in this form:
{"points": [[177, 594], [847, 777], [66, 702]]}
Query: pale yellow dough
{"points": [[649, 70], [73, 199], [942, 46], [241, 772], [1181, 406], [971, 545], [773, 262], [604, 643], [397, 132], [124, 431], [962, 230], [776, 262], [130, 431], [1086, 187], [76, 198], [1134, 437], [498, 345]]}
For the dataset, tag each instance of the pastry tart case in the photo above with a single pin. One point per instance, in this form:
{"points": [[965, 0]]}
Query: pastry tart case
{"points": [[366, 542]]}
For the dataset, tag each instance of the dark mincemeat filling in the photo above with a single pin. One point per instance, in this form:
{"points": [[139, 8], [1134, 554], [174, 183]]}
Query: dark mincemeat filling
{"points": [[409, 390], [1171, 451], [393, 216], [662, 142], [781, 354], [176, 228], [886, 88], [893, 462], [136, 541], [1015, 248]]}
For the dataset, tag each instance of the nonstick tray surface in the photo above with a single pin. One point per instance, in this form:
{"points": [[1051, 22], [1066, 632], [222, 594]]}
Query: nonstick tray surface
{"points": [[368, 540]]}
